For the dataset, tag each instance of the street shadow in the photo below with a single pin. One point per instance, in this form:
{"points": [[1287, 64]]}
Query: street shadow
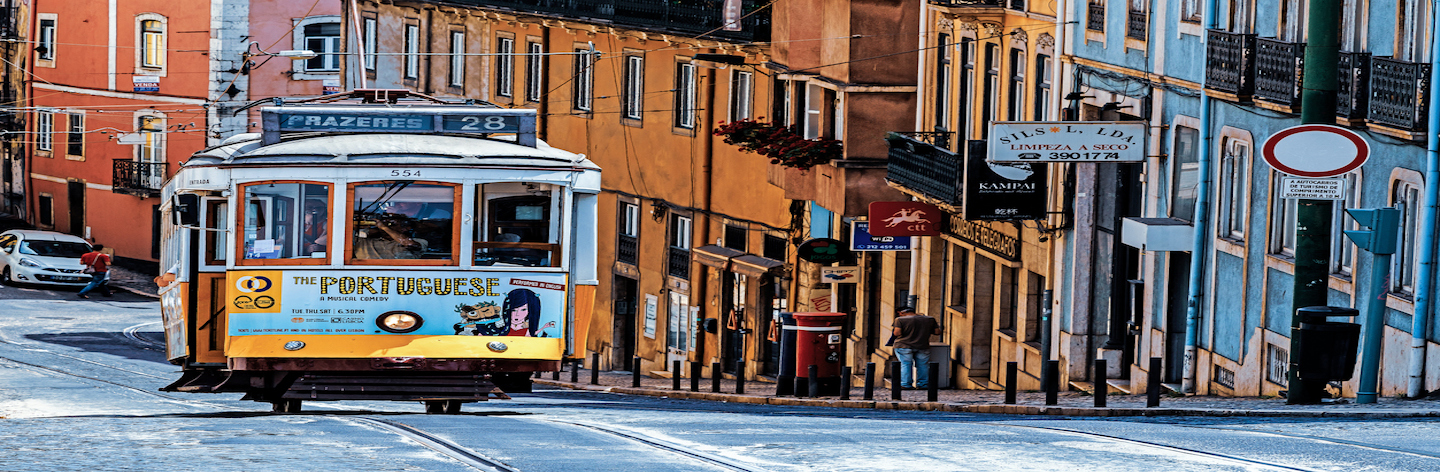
{"points": [[150, 348]]}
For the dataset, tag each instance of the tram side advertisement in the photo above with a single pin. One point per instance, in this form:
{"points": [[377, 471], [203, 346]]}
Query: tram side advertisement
{"points": [[349, 303]]}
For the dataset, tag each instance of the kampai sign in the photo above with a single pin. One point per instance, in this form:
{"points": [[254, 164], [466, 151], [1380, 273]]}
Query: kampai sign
{"points": [[1004, 191], [1067, 141], [904, 219]]}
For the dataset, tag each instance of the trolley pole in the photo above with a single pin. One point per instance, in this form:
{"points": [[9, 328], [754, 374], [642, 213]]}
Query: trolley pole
{"points": [[1313, 217]]}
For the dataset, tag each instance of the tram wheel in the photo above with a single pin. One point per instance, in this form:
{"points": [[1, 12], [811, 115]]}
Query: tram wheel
{"points": [[434, 407], [285, 406], [452, 407]]}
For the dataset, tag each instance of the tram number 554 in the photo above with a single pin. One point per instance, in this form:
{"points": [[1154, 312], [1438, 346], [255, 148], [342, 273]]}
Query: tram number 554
{"points": [[404, 173]]}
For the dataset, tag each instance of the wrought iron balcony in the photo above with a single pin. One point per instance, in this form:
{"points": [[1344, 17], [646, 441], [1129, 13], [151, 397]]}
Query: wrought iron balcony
{"points": [[1137, 25], [1017, 5], [1095, 16], [1279, 66], [9, 21], [922, 166], [1352, 98], [142, 179], [1230, 63], [679, 263], [1399, 93], [689, 16], [627, 250]]}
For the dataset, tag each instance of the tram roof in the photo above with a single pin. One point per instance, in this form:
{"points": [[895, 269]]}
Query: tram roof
{"points": [[387, 148]]}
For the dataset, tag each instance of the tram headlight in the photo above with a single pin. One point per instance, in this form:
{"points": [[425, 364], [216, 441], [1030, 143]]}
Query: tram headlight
{"points": [[399, 321]]}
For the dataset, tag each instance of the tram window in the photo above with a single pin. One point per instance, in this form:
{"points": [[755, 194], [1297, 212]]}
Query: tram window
{"points": [[403, 220], [518, 227], [217, 217], [286, 221]]}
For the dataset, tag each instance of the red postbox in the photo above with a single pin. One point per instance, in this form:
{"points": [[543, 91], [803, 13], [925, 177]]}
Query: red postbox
{"points": [[818, 338]]}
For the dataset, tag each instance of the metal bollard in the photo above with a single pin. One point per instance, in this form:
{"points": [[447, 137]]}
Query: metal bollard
{"points": [[895, 380], [635, 372], [715, 377], [845, 383], [1012, 370], [1052, 386], [740, 377], [575, 371], [1102, 389], [1152, 389], [933, 392], [869, 380], [814, 381], [595, 369], [675, 374], [695, 376]]}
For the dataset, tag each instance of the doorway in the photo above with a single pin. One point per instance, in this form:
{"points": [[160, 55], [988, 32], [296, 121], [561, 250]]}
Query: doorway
{"points": [[626, 297], [75, 190], [1177, 298], [732, 343]]}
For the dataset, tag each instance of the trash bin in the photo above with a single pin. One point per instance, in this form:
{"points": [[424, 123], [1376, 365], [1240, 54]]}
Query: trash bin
{"points": [[1328, 349], [818, 339], [785, 379]]}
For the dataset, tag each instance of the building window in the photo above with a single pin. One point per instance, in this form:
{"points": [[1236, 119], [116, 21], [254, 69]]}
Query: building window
{"points": [[627, 249], [1410, 32], [152, 133], [1190, 11], [1239, 16], [1234, 185], [958, 278], [1009, 299], [412, 52], [75, 139], [991, 106], [1282, 221], [1036, 288], [814, 110], [1405, 195], [532, 71], [1017, 85], [942, 82], [505, 67], [370, 44], [44, 130], [1095, 16], [1042, 87], [1185, 165], [152, 44], [457, 60], [45, 46], [785, 105], [685, 95], [1342, 251], [737, 238], [45, 206], [679, 250], [742, 95], [584, 80], [967, 89], [634, 86], [324, 40]]}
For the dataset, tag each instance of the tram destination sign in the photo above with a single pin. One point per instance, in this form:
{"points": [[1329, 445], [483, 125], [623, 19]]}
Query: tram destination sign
{"points": [[421, 120], [1067, 141]]}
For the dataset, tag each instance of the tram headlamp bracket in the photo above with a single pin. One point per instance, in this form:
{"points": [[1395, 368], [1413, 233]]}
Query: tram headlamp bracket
{"points": [[399, 321]]}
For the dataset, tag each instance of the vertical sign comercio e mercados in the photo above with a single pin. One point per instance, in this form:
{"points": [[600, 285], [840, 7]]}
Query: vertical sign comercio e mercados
{"points": [[333, 302], [1067, 141], [904, 219], [1004, 191]]}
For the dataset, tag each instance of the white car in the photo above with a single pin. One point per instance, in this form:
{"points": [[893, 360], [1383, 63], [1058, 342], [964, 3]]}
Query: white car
{"points": [[42, 257]]}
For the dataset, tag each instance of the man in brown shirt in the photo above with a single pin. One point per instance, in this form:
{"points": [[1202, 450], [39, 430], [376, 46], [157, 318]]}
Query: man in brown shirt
{"points": [[912, 346]]}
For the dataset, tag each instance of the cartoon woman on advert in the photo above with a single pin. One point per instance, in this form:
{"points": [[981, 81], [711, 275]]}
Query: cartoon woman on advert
{"points": [[522, 307]]}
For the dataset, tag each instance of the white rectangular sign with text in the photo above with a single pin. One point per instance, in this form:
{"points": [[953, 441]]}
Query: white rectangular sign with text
{"points": [[1067, 141]]}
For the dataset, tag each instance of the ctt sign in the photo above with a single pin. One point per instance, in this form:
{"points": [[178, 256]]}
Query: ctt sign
{"points": [[1067, 141], [904, 219]]}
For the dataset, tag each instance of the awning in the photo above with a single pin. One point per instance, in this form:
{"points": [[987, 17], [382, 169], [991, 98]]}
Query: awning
{"points": [[715, 256], [755, 266]]}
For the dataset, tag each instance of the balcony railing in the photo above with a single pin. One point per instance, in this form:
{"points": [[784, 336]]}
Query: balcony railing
{"points": [[1137, 25], [627, 250], [690, 16], [1017, 5], [679, 264], [1352, 98], [1095, 17], [137, 178], [9, 21], [1230, 63], [1399, 92], [1279, 66], [923, 167]]}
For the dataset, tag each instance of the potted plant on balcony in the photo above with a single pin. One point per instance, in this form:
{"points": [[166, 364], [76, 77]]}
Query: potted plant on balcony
{"points": [[779, 143]]}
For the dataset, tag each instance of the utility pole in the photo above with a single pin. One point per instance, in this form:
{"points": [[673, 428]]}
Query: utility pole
{"points": [[1313, 217]]}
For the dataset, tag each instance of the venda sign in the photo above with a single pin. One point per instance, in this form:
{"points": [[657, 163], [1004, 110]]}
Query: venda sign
{"points": [[1067, 141]]}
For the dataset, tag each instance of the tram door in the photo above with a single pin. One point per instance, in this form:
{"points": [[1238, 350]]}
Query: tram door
{"points": [[519, 219]]}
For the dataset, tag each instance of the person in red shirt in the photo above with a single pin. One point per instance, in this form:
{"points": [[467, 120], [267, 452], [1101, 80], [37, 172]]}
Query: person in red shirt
{"points": [[100, 263]]}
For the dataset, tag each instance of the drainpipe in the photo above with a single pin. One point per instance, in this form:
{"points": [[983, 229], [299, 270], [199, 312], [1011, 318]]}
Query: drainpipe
{"points": [[1202, 229], [359, 41], [1426, 280]]}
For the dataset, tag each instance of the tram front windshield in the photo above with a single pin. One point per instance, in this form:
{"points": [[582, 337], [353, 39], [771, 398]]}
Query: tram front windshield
{"points": [[403, 220]]}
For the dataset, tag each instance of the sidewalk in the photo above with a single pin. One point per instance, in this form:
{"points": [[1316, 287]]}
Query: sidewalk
{"points": [[133, 282], [985, 401]]}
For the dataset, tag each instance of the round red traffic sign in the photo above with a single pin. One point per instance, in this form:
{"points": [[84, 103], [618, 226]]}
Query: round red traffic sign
{"points": [[1315, 150]]}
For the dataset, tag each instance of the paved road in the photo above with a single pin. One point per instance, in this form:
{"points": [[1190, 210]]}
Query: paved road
{"points": [[78, 382]]}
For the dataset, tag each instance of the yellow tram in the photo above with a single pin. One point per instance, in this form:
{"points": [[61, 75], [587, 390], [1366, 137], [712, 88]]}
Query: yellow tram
{"points": [[378, 245]]}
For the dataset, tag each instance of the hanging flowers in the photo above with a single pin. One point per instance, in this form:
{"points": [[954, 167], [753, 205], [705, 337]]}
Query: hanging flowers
{"points": [[779, 143]]}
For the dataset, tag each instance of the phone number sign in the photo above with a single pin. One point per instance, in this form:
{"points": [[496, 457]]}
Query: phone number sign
{"points": [[1067, 141]]}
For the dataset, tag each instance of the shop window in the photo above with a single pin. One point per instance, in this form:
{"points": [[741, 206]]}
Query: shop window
{"points": [[402, 222], [284, 221]]}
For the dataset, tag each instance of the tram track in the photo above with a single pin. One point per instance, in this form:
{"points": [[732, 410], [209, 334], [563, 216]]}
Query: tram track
{"points": [[668, 446]]}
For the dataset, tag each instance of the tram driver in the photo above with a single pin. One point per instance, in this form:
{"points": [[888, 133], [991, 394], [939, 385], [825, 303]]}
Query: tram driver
{"points": [[393, 235]]}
